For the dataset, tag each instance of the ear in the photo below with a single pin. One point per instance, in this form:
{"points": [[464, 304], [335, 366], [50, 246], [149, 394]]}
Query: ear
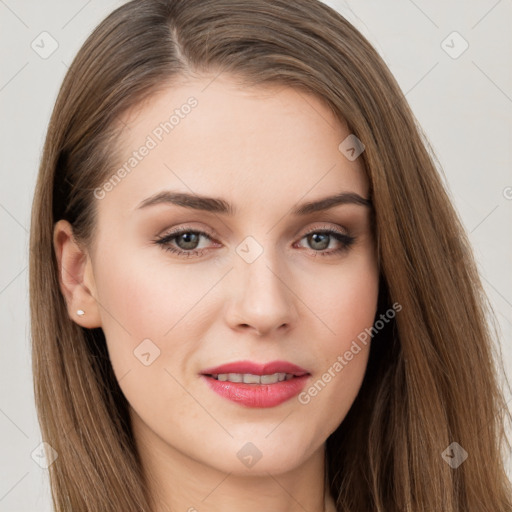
{"points": [[76, 278]]}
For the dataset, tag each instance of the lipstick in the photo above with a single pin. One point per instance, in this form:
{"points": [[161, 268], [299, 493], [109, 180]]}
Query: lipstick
{"points": [[256, 385]]}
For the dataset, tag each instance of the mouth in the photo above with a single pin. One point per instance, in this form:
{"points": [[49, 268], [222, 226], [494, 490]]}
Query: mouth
{"points": [[256, 385]]}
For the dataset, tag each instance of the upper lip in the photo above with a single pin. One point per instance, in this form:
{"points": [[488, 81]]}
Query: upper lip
{"points": [[256, 368]]}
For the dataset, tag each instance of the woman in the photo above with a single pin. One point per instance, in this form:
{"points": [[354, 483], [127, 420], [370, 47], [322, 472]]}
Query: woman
{"points": [[248, 285]]}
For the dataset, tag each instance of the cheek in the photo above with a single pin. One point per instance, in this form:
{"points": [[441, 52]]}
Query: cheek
{"points": [[348, 302], [144, 310], [135, 293], [343, 350], [132, 306], [155, 302], [356, 302]]}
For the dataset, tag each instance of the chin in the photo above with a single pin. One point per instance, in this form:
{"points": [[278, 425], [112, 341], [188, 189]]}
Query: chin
{"points": [[258, 456]]}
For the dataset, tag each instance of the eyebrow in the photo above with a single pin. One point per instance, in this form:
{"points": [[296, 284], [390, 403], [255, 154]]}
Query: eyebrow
{"points": [[217, 205]]}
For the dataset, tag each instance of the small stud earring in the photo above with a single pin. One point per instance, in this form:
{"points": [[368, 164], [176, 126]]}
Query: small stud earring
{"points": [[80, 312]]}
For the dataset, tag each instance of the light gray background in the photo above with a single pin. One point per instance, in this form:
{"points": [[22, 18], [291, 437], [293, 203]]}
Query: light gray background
{"points": [[464, 105]]}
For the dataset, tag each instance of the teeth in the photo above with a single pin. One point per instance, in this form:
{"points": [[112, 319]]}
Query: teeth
{"points": [[248, 378]]}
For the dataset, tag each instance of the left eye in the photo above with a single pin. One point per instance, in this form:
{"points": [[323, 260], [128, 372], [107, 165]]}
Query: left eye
{"points": [[187, 241], [320, 239]]}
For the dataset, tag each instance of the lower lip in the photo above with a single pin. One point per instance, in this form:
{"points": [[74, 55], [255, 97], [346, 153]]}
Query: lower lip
{"points": [[257, 395]]}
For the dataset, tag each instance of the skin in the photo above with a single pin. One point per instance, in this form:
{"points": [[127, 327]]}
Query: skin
{"points": [[264, 150]]}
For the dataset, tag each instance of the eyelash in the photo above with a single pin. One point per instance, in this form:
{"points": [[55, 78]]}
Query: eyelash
{"points": [[346, 241]]}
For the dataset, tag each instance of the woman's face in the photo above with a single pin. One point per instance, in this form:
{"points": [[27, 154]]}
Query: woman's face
{"points": [[264, 283]]}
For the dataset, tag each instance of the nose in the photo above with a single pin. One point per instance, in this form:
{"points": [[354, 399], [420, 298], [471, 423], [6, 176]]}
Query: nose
{"points": [[263, 301]]}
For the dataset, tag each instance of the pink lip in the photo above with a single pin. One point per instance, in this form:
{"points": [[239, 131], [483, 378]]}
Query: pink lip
{"points": [[257, 395], [256, 368]]}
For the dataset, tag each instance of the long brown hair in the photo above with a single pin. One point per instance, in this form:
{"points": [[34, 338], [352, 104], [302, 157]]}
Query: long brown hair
{"points": [[432, 374]]}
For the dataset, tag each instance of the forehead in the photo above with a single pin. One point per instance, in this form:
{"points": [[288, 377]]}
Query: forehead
{"points": [[211, 136]]}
